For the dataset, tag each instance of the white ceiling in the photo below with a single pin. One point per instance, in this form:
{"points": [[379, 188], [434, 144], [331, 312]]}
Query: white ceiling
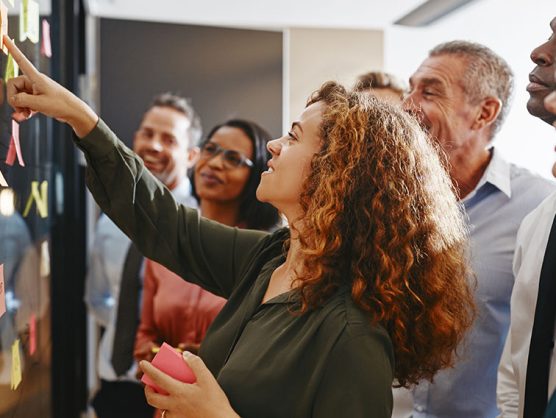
{"points": [[267, 14]]}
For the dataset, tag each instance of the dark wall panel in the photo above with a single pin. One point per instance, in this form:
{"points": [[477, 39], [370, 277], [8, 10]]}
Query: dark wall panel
{"points": [[226, 72]]}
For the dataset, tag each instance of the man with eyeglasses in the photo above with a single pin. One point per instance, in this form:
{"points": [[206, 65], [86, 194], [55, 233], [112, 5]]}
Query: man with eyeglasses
{"points": [[167, 141]]}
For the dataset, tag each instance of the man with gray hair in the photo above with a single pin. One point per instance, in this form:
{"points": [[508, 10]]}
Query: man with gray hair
{"points": [[461, 94]]}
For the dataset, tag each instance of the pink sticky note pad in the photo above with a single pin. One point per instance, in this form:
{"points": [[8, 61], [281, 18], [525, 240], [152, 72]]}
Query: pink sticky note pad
{"points": [[32, 334], [170, 362]]}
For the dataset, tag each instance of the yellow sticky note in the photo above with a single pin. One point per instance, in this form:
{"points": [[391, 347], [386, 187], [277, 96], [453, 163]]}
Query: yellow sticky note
{"points": [[3, 181], [23, 19], [16, 365], [12, 69], [40, 197], [45, 260], [3, 25], [33, 19]]}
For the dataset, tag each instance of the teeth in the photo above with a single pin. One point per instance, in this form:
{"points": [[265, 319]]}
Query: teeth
{"points": [[149, 159], [270, 170]]}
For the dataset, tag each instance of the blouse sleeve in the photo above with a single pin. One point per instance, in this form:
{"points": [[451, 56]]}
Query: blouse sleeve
{"points": [[358, 379], [205, 252]]}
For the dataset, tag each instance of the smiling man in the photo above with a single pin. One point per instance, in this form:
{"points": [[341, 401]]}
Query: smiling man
{"points": [[167, 142], [461, 94], [527, 373]]}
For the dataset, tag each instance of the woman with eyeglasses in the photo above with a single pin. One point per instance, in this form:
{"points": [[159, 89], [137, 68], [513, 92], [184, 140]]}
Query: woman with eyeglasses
{"points": [[224, 181], [368, 287]]}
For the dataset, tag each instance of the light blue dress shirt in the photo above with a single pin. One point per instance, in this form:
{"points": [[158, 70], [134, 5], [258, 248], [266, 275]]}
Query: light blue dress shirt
{"points": [[495, 209], [102, 285]]}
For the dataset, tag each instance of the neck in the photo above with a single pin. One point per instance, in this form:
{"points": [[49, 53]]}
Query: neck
{"points": [[466, 170], [226, 213]]}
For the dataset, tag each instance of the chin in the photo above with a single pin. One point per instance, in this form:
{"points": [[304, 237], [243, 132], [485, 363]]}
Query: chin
{"points": [[554, 169]]}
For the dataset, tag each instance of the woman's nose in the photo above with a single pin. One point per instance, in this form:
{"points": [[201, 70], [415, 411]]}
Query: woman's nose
{"points": [[274, 146]]}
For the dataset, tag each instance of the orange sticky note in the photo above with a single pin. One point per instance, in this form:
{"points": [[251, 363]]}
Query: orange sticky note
{"points": [[3, 25], [3, 181], [46, 46], [2, 292], [16, 365], [15, 147], [32, 334]]}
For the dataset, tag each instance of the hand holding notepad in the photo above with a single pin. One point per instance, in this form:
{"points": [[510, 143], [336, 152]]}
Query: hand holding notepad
{"points": [[169, 361]]}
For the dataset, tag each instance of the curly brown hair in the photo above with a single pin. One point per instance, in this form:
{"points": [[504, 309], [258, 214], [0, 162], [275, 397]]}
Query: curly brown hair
{"points": [[394, 233]]}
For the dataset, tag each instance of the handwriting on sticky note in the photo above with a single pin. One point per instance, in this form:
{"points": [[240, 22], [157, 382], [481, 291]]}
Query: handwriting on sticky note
{"points": [[39, 197], [2, 292], [3, 181], [3, 25], [16, 365], [46, 45], [32, 334]]}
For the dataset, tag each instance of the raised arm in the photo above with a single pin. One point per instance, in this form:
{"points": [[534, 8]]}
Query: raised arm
{"points": [[204, 252]]}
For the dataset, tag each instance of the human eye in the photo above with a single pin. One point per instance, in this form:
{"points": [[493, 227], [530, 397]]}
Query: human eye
{"points": [[234, 158], [209, 148], [291, 136]]}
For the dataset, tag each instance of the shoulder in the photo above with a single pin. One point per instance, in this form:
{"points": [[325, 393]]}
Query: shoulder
{"points": [[540, 218], [357, 335]]}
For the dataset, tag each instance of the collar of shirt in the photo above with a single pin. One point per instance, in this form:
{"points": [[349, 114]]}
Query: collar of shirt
{"points": [[497, 174]]}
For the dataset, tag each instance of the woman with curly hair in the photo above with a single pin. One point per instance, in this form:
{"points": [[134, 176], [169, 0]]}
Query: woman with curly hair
{"points": [[368, 286]]}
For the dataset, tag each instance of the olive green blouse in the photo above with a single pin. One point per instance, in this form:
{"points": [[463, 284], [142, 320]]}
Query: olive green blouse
{"points": [[329, 362]]}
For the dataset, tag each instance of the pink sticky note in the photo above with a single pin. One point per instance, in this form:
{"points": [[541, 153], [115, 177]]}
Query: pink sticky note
{"points": [[46, 46], [170, 362], [10, 157], [32, 334], [15, 141], [2, 292]]}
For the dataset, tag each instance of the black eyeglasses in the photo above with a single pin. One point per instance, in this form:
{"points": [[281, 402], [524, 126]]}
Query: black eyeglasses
{"points": [[231, 158]]}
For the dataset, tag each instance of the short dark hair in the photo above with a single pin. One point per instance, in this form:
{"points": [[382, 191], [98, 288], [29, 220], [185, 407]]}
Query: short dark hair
{"points": [[379, 80], [182, 105], [252, 213], [487, 74]]}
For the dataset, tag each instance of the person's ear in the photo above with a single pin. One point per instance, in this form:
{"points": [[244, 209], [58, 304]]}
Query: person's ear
{"points": [[488, 111], [193, 155]]}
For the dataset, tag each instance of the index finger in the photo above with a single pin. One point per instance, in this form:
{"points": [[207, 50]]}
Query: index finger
{"points": [[24, 64]]}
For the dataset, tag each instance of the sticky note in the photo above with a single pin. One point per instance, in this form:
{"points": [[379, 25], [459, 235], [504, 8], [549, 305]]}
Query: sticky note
{"points": [[46, 46], [3, 25], [15, 147], [45, 260], [170, 362], [12, 69], [40, 197], [16, 365], [33, 20], [2, 292], [23, 19], [3, 181], [32, 334]]}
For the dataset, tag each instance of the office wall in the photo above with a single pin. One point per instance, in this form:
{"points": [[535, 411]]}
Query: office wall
{"points": [[226, 72], [313, 56]]}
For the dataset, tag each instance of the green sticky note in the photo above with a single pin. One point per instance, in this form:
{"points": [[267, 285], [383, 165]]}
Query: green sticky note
{"points": [[12, 69]]}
